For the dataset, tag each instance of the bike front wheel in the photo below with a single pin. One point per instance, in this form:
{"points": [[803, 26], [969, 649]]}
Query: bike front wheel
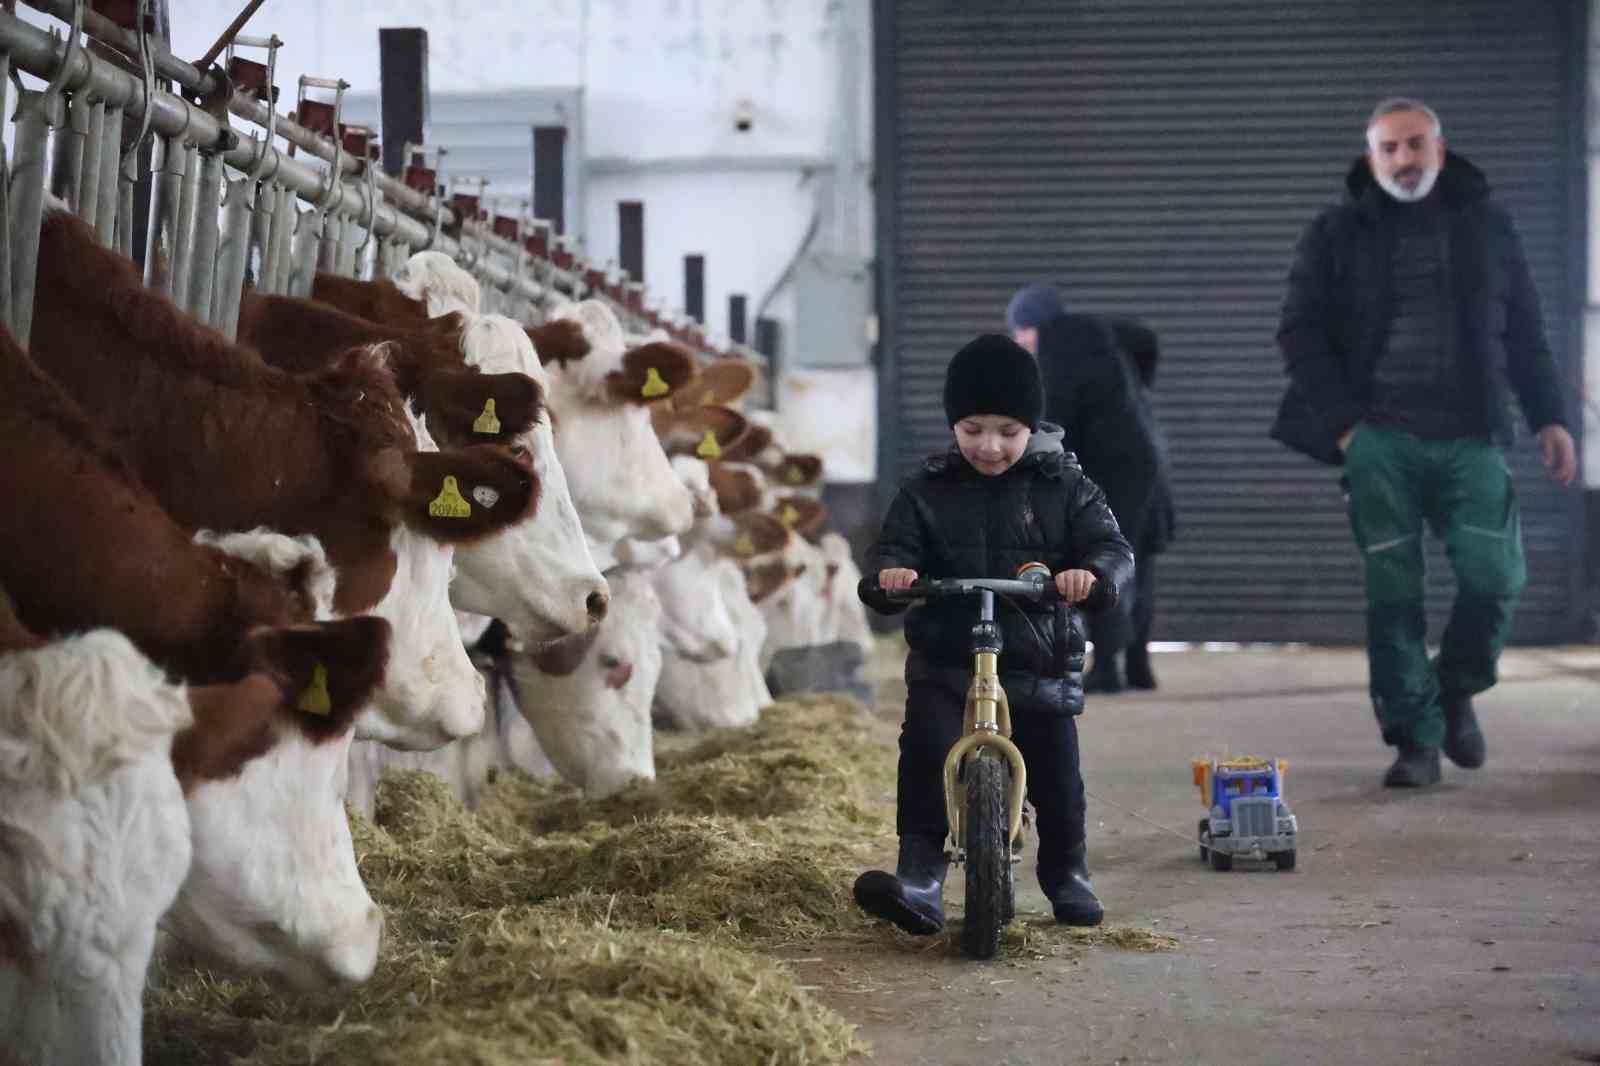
{"points": [[990, 888]]}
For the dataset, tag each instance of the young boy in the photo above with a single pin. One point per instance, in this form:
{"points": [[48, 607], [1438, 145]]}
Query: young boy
{"points": [[1005, 495]]}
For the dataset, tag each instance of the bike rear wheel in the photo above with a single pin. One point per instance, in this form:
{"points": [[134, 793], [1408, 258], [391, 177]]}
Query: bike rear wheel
{"points": [[990, 899]]}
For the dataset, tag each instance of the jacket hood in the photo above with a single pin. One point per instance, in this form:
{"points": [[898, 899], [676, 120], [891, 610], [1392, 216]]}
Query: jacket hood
{"points": [[1460, 183]]}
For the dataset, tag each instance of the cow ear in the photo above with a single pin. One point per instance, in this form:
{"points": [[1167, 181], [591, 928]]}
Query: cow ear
{"points": [[703, 432], [737, 490], [328, 671], [802, 514], [314, 679], [754, 535], [560, 341], [797, 470], [755, 440], [762, 580], [722, 382], [468, 406], [464, 494], [651, 372], [562, 657]]}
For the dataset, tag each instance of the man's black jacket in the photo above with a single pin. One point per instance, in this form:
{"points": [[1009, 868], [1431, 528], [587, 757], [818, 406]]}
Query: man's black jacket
{"points": [[951, 521], [1336, 315]]}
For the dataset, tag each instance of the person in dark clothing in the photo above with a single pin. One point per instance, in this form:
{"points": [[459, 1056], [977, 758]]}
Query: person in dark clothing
{"points": [[1092, 392], [1139, 343], [1005, 495], [1410, 319]]}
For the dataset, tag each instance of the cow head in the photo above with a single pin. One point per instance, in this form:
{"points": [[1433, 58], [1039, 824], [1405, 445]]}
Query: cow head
{"points": [[540, 578], [94, 844], [436, 280], [588, 698], [725, 693], [274, 888], [432, 694], [695, 622]]}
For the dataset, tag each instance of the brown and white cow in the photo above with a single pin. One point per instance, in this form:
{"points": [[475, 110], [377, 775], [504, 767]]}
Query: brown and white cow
{"points": [[227, 442], [274, 872], [620, 479], [537, 576]]}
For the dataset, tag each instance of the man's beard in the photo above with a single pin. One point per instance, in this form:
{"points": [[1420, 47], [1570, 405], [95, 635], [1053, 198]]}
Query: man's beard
{"points": [[1420, 191]]}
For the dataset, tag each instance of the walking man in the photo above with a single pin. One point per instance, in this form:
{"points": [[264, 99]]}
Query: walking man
{"points": [[1410, 321]]}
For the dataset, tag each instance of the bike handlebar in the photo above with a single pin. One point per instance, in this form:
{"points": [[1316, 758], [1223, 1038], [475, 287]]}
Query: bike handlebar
{"points": [[1038, 589]]}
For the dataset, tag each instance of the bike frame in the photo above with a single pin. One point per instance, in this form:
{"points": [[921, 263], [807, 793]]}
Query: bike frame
{"points": [[986, 724]]}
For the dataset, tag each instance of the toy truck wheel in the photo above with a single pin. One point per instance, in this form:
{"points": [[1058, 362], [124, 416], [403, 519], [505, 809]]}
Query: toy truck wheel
{"points": [[1204, 834], [1284, 859], [1221, 860]]}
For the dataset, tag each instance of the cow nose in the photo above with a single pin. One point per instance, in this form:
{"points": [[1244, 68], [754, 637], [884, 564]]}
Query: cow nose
{"points": [[597, 603]]}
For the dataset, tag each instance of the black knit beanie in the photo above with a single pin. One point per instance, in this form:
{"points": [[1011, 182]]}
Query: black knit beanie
{"points": [[993, 375]]}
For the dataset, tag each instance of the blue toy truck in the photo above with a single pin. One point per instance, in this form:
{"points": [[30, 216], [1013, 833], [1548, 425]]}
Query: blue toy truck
{"points": [[1248, 819]]}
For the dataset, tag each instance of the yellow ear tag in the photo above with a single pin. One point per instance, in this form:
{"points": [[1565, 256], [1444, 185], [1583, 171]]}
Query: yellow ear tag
{"points": [[449, 504], [744, 545], [487, 423], [709, 448], [795, 476], [315, 699], [653, 385], [789, 516]]}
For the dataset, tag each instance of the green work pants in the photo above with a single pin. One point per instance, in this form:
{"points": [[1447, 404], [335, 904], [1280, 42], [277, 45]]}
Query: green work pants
{"points": [[1460, 489]]}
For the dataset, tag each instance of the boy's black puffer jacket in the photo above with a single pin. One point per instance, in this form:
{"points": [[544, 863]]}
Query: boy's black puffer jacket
{"points": [[951, 521]]}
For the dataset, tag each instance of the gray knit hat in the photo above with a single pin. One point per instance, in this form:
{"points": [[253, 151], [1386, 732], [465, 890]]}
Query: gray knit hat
{"points": [[1033, 306]]}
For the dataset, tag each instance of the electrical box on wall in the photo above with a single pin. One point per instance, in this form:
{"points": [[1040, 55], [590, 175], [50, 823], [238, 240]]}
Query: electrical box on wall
{"points": [[832, 302]]}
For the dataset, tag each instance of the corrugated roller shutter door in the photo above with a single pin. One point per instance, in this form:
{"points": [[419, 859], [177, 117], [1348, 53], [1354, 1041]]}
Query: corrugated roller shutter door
{"points": [[1160, 158]]}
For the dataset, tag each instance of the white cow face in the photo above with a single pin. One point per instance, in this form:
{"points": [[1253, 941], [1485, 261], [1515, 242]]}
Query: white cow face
{"points": [[274, 887], [539, 577], [588, 700], [796, 614], [436, 280], [620, 478], [695, 622], [431, 693], [94, 836], [846, 615], [727, 692]]}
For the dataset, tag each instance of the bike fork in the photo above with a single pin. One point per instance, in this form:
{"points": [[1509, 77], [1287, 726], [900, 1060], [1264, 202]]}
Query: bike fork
{"points": [[987, 723]]}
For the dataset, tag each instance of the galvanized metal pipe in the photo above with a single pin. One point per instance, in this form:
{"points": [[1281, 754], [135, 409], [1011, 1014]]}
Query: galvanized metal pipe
{"points": [[183, 238], [203, 265], [27, 206], [328, 245], [227, 290], [285, 221], [105, 212], [166, 189], [66, 170], [5, 234], [263, 222], [307, 239], [89, 180], [127, 178]]}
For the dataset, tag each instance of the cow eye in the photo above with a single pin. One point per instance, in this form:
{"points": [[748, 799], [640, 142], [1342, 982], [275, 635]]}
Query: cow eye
{"points": [[610, 662]]}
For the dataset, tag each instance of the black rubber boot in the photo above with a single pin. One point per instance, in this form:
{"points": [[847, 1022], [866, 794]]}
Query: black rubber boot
{"points": [[1463, 739], [1138, 667], [1065, 881], [1413, 768], [913, 896], [1105, 676]]}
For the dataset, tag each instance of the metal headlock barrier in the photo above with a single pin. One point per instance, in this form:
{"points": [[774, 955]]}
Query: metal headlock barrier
{"points": [[224, 203]]}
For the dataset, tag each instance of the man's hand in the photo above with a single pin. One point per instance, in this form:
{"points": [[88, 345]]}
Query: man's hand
{"points": [[1075, 585], [1347, 436], [896, 578], [1560, 454]]}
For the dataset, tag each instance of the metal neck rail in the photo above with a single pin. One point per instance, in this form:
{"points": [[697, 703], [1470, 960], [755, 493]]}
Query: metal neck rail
{"points": [[410, 217]]}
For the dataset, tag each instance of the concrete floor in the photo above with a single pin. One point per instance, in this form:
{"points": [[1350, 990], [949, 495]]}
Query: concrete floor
{"points": [[1457, 925]]}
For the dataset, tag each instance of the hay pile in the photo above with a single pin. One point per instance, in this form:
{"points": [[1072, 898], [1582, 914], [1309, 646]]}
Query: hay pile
{"points": [[544, 928]]}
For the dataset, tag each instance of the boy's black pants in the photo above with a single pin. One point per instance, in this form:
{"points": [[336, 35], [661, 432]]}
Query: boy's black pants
{"points": [[1049, 745]]}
